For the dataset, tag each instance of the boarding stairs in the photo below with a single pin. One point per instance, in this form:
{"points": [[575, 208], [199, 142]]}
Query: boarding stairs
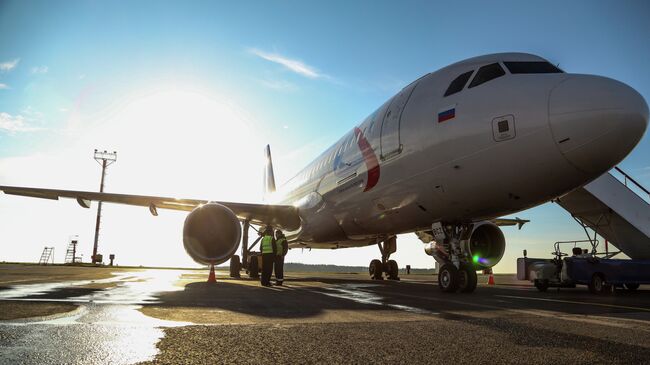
{"points": [[46, 256], [618, 211]]}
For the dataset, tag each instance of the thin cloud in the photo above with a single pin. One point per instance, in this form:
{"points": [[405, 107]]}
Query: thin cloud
{"points": [[4, 86], [9, 65], [40, 70], [296, 66], [14, 124], [280, 85]]}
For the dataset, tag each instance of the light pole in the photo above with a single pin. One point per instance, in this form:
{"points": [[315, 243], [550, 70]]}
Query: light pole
{"points": [[105, 159]]}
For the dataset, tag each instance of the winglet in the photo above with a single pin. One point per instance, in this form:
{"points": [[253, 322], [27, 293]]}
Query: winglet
{"points": [[269, 177]]}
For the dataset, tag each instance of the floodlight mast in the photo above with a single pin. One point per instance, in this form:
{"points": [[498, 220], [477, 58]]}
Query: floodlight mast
{"points": [[105, 159]]}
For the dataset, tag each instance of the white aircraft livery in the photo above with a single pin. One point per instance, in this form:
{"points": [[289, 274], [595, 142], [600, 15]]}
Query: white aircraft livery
{"points": [[445, 158]]}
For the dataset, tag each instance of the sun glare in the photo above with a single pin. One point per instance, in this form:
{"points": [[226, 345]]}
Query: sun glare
{"points": [[197, 142]]}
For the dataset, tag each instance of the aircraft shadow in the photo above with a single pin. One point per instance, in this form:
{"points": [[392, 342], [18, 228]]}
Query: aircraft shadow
{"points": [[274, 302]]}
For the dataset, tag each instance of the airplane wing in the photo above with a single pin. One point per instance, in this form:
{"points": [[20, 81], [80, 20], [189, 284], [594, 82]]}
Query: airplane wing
{"points": [[284, 216], [510, 222]]}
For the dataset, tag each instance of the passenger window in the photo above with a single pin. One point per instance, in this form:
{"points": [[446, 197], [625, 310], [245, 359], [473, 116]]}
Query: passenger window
{"points": [[458, 84], [487, 73]]}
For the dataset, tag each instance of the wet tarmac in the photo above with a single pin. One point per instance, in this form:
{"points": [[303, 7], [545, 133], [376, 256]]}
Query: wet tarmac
{"points": [[173, 316], [106, 327]]}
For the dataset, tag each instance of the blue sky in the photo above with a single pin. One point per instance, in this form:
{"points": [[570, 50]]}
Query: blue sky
{"points": [[297, 74]]}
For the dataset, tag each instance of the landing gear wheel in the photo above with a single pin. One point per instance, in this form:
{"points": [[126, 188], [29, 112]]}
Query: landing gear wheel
{"points": [[541, 285], [467, 278], [235, 267], [448, 278], [392, 270], [632, 286], [376, 270], [599, 286], [253, 268]]}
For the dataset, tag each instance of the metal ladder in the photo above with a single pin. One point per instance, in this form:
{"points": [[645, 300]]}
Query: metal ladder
{"points": [[48, 253]]}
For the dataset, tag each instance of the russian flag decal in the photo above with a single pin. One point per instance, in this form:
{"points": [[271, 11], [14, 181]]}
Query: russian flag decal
{"points": [[447, 113]]}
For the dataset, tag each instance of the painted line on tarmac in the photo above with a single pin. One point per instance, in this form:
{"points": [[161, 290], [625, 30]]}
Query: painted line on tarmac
{"points": [[356, 293], [576, 302], [541, 313]]}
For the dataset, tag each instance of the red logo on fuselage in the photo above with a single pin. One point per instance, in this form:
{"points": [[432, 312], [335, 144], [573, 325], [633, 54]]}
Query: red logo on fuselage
{"points": [[372, 164]]}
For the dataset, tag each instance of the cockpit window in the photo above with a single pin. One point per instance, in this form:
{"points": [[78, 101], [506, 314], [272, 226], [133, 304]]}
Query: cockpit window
{"points": [[532, 67], [458, 84], [487, 73]]}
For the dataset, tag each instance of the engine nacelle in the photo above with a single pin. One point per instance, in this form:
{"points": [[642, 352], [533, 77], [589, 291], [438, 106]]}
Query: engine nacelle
{"points": [[485, 244], [211, 234]]}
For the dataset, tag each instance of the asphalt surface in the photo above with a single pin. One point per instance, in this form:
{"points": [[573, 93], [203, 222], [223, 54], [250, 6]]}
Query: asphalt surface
{"points": [[167, 316]]}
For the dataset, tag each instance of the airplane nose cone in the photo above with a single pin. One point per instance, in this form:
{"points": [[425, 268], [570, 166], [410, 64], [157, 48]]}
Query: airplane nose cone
{"points": [[596, 121]]}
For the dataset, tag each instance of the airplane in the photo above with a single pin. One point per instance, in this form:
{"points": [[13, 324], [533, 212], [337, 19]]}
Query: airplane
{"points": [[445, 158]]}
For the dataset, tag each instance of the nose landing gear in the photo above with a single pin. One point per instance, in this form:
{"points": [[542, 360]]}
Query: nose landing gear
{"points": [[457, 273], [377, 268]]}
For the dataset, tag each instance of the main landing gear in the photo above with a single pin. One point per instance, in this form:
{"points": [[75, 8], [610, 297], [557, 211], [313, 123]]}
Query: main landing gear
{"points": [[251, 261], [379, 267]]}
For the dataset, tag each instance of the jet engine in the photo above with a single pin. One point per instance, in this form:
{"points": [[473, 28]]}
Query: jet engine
{"points": [[483, 242], [211, 234]]}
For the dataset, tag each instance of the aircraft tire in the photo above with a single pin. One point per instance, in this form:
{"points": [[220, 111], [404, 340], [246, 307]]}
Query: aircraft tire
{"points": [[253, 268], [235, 266], [631, 286], [467, 278], [376, 270], [392, 270], [448, 278]]}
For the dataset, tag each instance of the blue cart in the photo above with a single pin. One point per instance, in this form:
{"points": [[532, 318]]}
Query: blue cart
{"points": [[601, 273]]}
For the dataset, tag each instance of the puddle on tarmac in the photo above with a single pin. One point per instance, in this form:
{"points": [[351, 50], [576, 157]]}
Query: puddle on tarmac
{"points": [[131, 288], [96, 333], [107, 328], [357, 293]]}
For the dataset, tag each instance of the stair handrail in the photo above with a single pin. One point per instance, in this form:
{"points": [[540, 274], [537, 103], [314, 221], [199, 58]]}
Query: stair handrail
{"points": [[628, 177]]}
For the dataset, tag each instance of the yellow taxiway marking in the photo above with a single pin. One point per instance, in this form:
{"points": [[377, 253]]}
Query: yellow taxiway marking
{"points": [[576, 302]]}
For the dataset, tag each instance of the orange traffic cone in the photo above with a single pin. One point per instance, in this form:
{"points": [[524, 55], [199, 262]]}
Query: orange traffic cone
{"points": [[212, 278], [490, 279]]}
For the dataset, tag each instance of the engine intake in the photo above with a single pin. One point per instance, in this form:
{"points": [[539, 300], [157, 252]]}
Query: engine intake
{"points": [[486, 244], [211, 233]]}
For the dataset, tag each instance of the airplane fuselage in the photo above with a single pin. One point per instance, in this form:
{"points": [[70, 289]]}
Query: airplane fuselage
{"points": [[489, 149]]}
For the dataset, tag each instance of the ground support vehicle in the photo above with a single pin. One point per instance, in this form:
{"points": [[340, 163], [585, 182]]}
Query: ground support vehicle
{"points": [[599, 271]]}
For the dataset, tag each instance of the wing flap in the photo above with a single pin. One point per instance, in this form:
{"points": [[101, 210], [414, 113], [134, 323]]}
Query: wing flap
{"points": [[283, 216]]}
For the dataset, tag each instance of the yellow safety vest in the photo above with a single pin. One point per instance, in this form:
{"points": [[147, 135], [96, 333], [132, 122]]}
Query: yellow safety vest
{"points": [[278, 246], [267, 244]]}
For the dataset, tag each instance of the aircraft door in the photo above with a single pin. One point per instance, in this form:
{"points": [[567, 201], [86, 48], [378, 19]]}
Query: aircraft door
{"points": [[390, 128]]}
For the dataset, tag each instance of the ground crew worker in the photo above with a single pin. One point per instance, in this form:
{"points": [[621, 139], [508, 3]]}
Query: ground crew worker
{"points": [[268, 255], [281, 249]]}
